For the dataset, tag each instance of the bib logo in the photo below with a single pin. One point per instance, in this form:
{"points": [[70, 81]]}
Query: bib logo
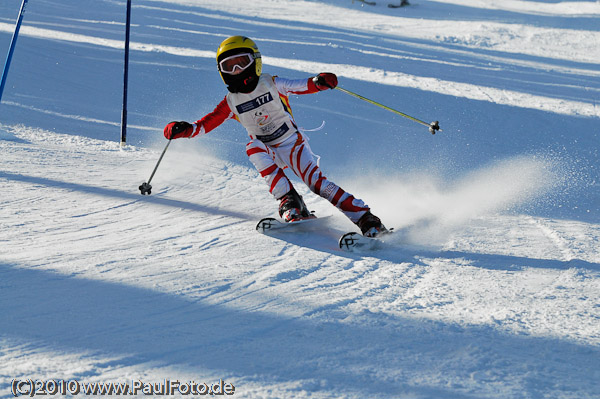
{"points": [[261, 118]]}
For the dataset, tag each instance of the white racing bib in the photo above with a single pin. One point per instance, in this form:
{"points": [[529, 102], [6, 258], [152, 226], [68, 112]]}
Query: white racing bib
{"points": [[263, 113]]}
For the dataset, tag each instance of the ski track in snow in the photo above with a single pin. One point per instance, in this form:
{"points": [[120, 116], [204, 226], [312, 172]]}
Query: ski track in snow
{"points": [[471, 297], [584, 52], [531, 283]]}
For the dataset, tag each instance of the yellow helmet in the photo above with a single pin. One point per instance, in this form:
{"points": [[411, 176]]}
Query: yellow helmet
{"points": [[247, 79]]}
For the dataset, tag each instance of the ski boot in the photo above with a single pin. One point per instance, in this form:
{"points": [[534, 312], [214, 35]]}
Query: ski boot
{"points": [[370, 225], [292, 207]]}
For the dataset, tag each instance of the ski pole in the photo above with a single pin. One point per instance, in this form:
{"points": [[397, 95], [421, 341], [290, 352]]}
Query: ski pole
{"points": [[146, 188], [433, 126]]}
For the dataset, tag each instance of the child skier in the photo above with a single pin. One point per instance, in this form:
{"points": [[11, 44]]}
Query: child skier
{"points": [[260, 102]]}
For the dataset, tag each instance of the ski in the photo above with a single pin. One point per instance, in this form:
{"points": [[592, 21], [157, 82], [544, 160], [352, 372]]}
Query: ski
{"points": [[403, 3], [355, 241], [269, 223], [348, 242]]}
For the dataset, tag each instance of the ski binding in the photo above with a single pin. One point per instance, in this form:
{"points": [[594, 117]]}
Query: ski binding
{"points": [[267, 224], [355, 241]]}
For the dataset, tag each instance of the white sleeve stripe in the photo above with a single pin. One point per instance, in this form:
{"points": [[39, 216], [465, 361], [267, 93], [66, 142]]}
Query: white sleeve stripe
{"points": [[196, 128], [287, 86]]}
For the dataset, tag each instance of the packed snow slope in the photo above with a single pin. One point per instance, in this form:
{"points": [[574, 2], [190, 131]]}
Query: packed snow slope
{"points": [[489, 289]]}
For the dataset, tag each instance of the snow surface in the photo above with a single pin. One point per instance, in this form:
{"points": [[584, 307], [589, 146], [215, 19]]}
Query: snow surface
{"points": [[490, 288]]}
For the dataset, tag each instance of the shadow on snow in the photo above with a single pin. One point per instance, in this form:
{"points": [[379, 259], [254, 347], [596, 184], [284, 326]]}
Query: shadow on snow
{"points": [[382, 355]]}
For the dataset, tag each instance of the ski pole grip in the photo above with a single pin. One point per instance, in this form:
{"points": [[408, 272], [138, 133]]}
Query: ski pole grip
{"points": [[320, 81]]}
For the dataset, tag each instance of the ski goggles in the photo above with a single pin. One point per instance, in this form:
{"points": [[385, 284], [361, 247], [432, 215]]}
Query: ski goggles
{"points": [[236, 63]]}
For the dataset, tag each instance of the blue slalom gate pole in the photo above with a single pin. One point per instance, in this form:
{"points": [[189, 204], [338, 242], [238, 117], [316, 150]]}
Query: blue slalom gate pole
{"points": [[125, 77], [12, 48]]}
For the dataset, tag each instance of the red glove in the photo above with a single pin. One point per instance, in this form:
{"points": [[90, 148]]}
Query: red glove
{"points": [[325, 80], [177, 130]]}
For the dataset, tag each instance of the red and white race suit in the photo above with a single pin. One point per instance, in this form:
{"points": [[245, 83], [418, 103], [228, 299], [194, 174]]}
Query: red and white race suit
{"points": [[275, 142]]}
